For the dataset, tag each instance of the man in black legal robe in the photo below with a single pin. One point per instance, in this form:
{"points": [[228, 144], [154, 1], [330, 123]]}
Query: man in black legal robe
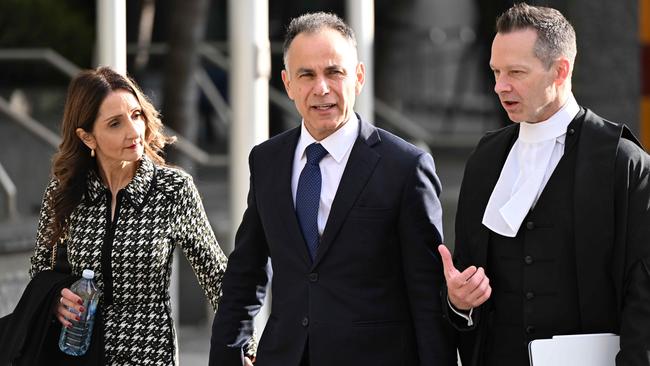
{"points": [[553, 220]]}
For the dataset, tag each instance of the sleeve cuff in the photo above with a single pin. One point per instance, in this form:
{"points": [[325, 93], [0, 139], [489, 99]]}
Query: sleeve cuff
{"points": [[468, 317]]}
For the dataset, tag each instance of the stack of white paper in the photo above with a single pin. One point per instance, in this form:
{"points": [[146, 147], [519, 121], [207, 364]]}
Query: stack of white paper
{"points": [[575, 350]]}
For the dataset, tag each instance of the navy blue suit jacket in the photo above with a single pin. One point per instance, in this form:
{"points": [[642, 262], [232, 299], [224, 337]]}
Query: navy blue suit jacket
{"points": [[371, 294]]}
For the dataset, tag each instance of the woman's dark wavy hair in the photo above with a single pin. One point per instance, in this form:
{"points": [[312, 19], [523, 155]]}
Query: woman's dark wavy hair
{"points": [[72, 162]]}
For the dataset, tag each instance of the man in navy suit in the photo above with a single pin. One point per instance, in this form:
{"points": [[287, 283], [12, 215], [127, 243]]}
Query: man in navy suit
{"points": [[358, 281]]}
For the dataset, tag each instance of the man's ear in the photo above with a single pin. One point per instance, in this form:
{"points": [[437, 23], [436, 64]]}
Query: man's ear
{"points": [[360, 74], [562, 70], [87, 138], [286, 80]]}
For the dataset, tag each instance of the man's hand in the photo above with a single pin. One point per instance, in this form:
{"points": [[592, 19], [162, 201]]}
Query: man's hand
{"points": [[467, 289]]}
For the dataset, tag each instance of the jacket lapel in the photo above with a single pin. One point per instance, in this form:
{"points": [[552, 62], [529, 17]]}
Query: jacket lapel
{"points": [[488, 162], [361, 163], [282, 198]]}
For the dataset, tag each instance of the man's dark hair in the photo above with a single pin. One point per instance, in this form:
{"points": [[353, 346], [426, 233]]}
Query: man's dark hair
{"points": [[555, 35], [313, 22]]}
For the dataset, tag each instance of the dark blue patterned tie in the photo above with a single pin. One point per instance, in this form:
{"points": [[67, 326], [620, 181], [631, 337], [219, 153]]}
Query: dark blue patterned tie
{"points": [[308, 197]]}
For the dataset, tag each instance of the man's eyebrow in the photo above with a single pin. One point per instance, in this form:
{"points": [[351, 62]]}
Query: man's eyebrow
{"points": [[303, 70], [513, 66], [334, 67]]}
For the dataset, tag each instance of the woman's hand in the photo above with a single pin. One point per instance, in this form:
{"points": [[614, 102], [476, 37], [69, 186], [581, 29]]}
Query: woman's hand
{"points": [[69, 307]]}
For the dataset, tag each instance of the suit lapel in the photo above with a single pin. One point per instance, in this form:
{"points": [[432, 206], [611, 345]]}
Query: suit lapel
{"points": [[283, 199], [361, 163], [487, 165]]}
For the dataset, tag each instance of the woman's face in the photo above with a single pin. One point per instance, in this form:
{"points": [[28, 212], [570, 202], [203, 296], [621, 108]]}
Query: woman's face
{"points": [[118, 132]]}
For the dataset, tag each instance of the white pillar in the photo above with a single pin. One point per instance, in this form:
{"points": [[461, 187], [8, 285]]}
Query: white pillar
{"points": [[250, 68], [361, 17], [111, 34]]}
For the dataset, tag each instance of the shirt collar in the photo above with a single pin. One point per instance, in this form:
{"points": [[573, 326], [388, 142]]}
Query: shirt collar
{"points": [[136, 191], [337, 144], [552, 128]]}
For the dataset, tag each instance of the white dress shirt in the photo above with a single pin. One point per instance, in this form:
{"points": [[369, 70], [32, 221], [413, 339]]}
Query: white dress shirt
{"points": [[528, 167], [338, 145]]}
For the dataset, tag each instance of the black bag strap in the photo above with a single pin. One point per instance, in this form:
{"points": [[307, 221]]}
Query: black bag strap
{"points": [[60, 261]]}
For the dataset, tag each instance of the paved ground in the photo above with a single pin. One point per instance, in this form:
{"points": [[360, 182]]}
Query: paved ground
{"points": [[194, 344]]}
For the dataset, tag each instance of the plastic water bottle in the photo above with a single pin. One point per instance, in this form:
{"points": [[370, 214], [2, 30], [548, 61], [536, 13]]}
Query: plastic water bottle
{"points": [[75, 340]]}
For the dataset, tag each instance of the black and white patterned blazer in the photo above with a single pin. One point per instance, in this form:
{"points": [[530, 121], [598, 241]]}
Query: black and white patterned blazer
{"points": [[159, 209]]}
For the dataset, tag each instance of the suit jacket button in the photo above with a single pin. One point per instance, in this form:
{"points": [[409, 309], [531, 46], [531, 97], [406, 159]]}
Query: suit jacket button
{"points": [[305, 321], [530, 329], [530, 225], [571, 131], [313, 277], [528, 259], [530, 295]]}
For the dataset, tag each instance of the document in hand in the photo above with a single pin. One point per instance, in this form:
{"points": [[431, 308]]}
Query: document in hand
{"points": [[572, 350]]}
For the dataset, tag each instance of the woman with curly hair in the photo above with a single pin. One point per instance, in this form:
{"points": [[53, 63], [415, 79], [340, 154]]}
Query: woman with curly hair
{"points": [[119, 210]]}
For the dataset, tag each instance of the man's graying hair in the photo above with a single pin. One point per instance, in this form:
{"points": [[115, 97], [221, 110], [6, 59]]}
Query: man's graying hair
{"points": [[555, 35], [313, 22]]}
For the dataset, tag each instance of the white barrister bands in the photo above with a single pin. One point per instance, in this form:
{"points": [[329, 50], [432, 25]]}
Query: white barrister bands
{"points": [[528, 167]]}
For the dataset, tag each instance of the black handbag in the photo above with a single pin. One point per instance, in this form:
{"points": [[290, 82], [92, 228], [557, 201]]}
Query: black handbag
{"points": [[30, 335]]}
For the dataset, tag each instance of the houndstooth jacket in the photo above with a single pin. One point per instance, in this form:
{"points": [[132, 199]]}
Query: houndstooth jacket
{"points": [[132, 257]]}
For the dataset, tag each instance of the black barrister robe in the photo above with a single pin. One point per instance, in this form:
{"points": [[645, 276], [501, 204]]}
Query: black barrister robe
{"points": [[612, 234]]}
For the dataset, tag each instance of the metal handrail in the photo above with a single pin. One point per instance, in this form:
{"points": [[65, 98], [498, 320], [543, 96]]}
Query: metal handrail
{"points": [[401, 122], [30, 124], [219, 59], [389, 115], [196, 153], [9, 189], [33, 126], [277, 97], [40, 54], [71, 70], [209, 52], [38, 130], [213, 95], [52, 139], [386, 113], [43, 133]]}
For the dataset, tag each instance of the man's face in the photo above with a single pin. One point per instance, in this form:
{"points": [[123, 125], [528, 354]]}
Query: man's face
{"points": [[323, 78], [527, 90]]}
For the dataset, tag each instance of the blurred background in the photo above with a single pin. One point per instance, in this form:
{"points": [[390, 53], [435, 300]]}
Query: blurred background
{"points": [[213, 69]]}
